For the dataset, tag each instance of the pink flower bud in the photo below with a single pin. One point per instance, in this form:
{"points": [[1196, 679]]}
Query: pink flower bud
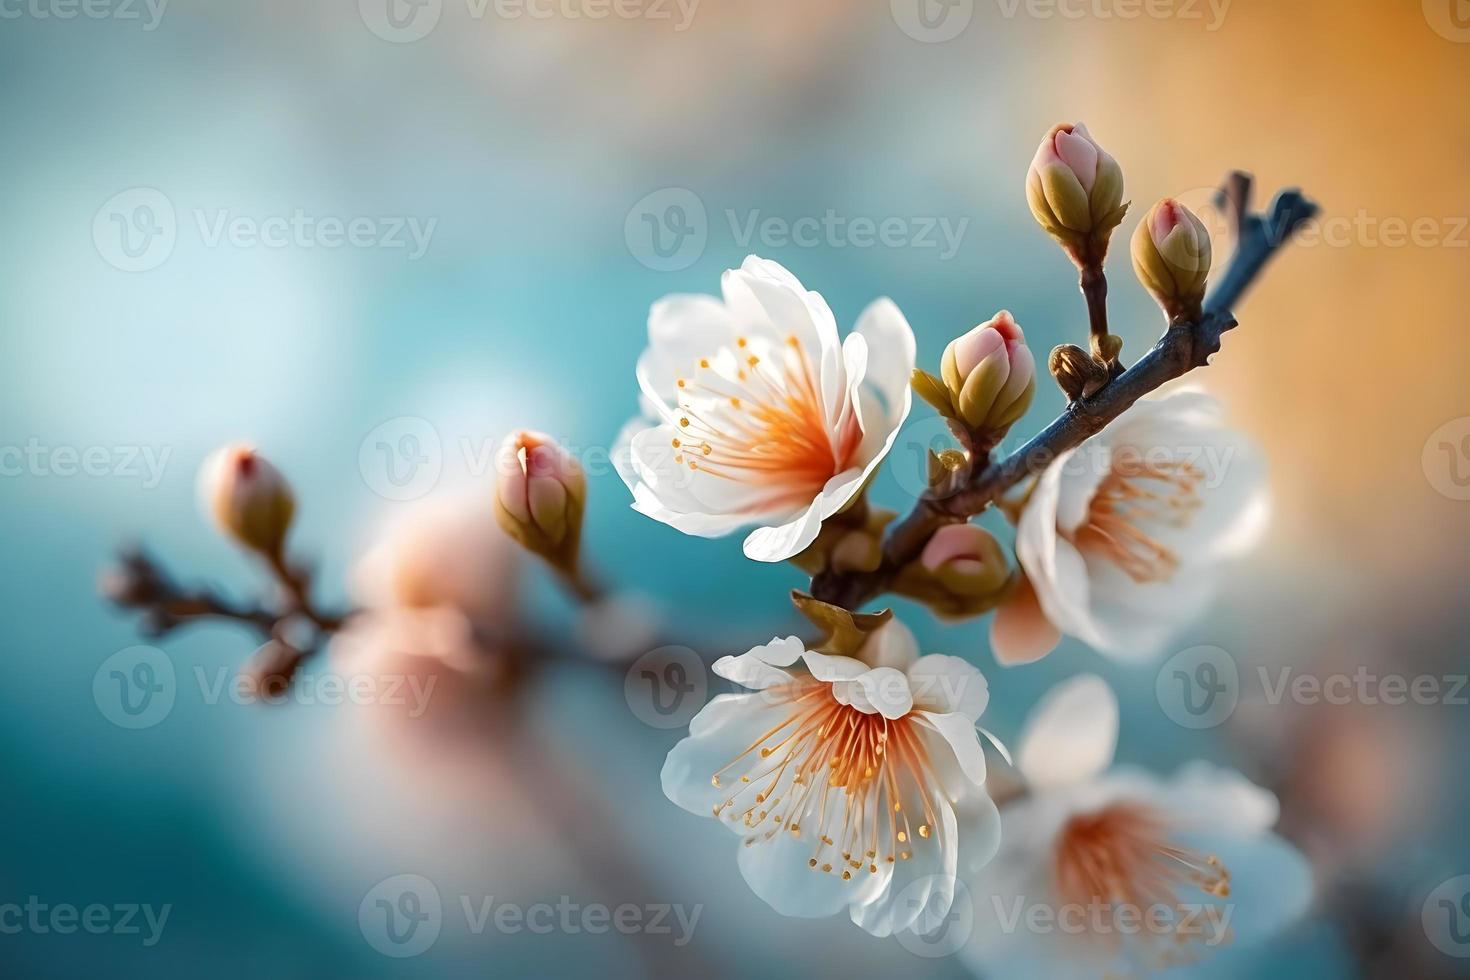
{"points": [[247, 498], [540, 493], [1172, 256], [967, 559], [990, 374], [1075, 188]]}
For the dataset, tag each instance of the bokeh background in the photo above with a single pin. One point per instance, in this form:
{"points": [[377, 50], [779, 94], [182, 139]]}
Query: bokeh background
{"points": [[529, 151]]}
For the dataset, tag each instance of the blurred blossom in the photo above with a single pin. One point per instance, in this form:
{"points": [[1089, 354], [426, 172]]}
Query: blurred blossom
{"points": [[1114, 871], [442, 583], [1122, 539]]}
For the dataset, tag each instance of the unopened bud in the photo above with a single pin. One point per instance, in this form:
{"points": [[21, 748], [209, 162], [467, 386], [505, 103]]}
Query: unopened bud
{"points": [[1171, 254], [967, 559], [540, 494], [1075, 189], [247, 498], [991, 376], [1077, 371]]}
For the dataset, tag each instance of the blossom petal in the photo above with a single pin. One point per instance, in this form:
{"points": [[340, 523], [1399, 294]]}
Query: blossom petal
{"points": [[891, 354], [1020, 633], [891, 645], [882, 690], [779, 871], [727, 730], [945, 685], [826, 667], [1071, 735], [682, 328], [766, 296], [773, 544], [959, 732], [921, 891]]}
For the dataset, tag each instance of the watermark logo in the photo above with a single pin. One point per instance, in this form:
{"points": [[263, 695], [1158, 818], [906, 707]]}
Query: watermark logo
{"points": [[402, 459], [136, 229], [401, 916], [135, 688], [932, 21], [1199, 687], [666, 687], [908, 462], [1446, 917], [668, 230], [1450, 19], [400, 21], [946, 916], [1446, 459]]}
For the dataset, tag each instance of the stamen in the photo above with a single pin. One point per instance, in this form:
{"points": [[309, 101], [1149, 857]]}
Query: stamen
{"points": [[1121, 856], [859, 781], [758, 417], [1126, 501]]}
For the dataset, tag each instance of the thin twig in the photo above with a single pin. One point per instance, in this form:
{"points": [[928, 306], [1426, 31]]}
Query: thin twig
{"points": [[1184, 347]]}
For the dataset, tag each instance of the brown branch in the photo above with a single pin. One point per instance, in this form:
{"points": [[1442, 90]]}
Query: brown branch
{"points": [[1183, 347], [138, 583]]}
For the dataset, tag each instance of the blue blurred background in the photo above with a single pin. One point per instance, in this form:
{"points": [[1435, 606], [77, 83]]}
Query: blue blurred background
{"points": [[526, 153]]}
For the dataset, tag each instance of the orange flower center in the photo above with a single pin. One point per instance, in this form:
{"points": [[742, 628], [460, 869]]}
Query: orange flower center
{"points": [[1122, 857], [754, 414], [1130, 497], [845, 771]]}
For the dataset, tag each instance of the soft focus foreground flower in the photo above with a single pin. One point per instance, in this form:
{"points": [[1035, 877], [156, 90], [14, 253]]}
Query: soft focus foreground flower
{"points": [[247, 498], [1075, 189], [1116, 872], [760, 414], [990, 374], [854, 784], [440, 583], [1122, 539], [1172, 255]]}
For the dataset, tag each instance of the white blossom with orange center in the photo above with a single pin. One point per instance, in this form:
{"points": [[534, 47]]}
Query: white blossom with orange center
{"points": [[758, 414], [853, 784], [1115, 872], [1122, 540]]}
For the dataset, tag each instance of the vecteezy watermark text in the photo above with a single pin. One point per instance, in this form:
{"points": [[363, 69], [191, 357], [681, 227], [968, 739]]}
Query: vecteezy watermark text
{"points": [[403, 916], [1207, 921], [148, 12], [669, 230], [35, 459], [42, 918], [137, 230], [406, 21]]}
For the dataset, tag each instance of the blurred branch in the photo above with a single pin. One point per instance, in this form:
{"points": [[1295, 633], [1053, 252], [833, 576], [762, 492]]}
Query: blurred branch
{"points": [[138, 583], [1184, 347]]}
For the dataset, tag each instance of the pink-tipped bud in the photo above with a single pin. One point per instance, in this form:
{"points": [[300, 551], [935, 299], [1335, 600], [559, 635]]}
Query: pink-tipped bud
{"points": [[967, 560], [1172, 256], [247, 498], [990, 374], [540, 493], [1075, 189]]}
